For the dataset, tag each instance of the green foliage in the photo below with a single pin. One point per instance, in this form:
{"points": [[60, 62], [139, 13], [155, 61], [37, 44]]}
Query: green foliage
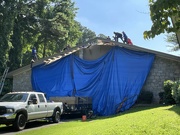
{"points": [[172, 39], [6, 26], [102, 36], [48, 25], [161, 12], [176, 91], [168, 99], [161, 98], [7, 87], [87, 34], [145, 97]]}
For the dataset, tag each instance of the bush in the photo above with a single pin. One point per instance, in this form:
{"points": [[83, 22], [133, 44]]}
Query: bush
{"points": [[168, 99], [145, 97], [176, 91], [161, 98]]}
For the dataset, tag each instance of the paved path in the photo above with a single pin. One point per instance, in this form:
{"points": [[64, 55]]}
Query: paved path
{"points": [[31, 126]]}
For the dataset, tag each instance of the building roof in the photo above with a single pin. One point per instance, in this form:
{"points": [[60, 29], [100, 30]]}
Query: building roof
{"points": [[92, 42]]}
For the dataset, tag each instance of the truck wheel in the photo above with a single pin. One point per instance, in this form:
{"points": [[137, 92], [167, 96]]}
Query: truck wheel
{"points": [[56, 117], [20, 122]]}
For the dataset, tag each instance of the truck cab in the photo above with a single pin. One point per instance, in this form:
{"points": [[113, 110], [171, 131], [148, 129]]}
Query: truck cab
{"points": [[18, 108]]}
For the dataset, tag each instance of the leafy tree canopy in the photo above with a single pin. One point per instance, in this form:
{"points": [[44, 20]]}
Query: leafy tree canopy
{"points": [[48, 25], [171, 38], [87, 34], [165, 16]]}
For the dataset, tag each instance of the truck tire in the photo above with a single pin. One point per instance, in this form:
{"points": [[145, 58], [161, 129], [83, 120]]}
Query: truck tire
{"points": [[20, 122], [56, 117]]}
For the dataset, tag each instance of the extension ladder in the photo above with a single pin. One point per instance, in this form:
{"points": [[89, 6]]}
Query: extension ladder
{"points": [[3, 79]]}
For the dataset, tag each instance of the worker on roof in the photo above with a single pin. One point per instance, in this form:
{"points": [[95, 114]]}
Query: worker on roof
{"points": [[34, 54], [129, 41], [117, 35], [126, 39], [108, 38]]}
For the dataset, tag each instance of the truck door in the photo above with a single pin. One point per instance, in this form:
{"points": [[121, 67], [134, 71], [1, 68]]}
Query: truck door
{"points": [[32, 108], [42, 106]]}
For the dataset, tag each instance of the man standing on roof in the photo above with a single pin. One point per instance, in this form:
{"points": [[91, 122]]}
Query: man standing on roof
{"points": [[34, 54], [125, 37], [117, 35]]}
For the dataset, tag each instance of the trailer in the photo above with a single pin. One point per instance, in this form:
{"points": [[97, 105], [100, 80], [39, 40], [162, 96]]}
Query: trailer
{"points": [[75, 105]]}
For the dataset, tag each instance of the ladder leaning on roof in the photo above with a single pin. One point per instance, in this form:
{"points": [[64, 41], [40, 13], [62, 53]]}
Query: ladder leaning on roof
{"points": [[3, 79]]}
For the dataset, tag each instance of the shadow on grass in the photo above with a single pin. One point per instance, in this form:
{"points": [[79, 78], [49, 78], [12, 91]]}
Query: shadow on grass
{"points": [[9, 130], [133, 109], [175, 108]]}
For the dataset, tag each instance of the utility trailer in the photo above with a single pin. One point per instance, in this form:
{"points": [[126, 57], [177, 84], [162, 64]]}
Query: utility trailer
{"points": [[75, 105]]}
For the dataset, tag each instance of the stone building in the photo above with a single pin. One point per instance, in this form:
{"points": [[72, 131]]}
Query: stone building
{"points": [[165, 66]]}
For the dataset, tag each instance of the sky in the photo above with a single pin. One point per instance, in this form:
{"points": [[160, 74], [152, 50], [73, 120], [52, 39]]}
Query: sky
{"points": [[130, 16]]}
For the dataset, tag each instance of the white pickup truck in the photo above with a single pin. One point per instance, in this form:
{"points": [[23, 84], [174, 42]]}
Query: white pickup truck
{"points": [[18, 108]]}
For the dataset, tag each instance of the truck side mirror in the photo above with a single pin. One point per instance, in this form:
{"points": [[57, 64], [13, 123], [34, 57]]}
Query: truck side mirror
{"points": [[34, 100], [29, 102]]}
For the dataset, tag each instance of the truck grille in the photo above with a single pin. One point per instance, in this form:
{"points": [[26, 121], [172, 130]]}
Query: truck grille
{"points": [[2, 110]]}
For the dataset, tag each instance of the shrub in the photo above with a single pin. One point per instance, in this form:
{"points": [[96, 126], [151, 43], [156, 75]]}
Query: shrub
{"points": [[145, 97], [168, 99], [176, 91], [161, 98]]}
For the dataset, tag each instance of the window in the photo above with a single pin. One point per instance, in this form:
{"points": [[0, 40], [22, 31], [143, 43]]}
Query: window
{"points": [[32, 96], [41, 98], [15, 97]]}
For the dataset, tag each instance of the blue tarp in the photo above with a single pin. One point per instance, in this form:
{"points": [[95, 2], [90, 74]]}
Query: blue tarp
{"points": [[114, 81]]}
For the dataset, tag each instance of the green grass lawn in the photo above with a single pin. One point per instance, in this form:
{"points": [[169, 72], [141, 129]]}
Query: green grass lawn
{"points": [[159, 120]]}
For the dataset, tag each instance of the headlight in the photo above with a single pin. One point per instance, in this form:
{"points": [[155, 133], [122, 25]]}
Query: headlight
{"points": [[10, 110]]}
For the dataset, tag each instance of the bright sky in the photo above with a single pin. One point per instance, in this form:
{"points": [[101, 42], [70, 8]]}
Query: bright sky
{"points": [[130, 16]]}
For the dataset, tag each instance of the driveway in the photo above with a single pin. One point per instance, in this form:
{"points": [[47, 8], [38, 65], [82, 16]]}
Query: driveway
{"points": [[36, 124], [29, 126]]}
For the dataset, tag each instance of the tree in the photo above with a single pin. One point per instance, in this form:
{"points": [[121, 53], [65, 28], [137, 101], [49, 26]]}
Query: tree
{"points": [[171, 38], [165, 16], [57, 27], [102, 36], [87, 34], [6, 26], [47, 24]]}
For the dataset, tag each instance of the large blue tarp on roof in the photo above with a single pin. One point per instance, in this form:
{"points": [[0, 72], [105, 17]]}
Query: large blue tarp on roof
{"points": [[114, 81]]}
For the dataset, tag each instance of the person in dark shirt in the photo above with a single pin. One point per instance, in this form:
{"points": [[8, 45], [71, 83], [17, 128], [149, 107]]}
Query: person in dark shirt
{"points": [[125, 37], [108, 38], [34, 54], [117, 36]]}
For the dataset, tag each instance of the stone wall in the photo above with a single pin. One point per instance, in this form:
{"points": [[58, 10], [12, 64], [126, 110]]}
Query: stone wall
{"points": [[95, 52], [22, 81], [162, 70]]}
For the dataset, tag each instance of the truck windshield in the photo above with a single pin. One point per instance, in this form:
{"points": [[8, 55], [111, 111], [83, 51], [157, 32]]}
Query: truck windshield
{"points": [[14, 97]]}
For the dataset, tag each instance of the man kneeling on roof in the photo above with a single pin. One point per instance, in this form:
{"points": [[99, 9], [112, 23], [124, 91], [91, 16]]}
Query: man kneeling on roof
{"points": [[126, 39]]}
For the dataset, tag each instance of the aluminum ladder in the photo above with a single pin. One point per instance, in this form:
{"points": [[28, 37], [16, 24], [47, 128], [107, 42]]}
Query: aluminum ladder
{"points": [[3, 79]]}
